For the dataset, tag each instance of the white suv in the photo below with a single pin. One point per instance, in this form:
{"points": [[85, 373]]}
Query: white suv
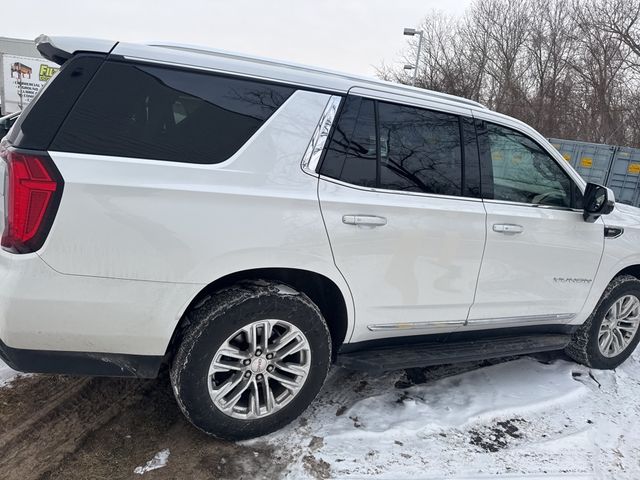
{"points": [[250, 222]]}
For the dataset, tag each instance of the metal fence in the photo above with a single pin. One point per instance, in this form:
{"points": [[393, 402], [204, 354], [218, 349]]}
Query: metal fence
{"points": [[616, 167]]}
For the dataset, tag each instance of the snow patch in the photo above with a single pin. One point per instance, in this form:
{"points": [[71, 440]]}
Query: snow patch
{"points": [[159, 460], [533, 417], [6, 374], [513, 388]]}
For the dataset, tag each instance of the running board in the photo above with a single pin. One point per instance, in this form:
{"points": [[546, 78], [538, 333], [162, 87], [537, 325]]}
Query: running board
{"points": [[377, 361]]}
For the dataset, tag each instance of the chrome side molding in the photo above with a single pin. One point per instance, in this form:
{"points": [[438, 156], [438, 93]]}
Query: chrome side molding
{"points": [[526, 319], [414, 325], [512, 321]]}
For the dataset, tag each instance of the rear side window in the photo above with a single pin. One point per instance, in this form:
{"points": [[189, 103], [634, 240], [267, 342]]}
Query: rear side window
{"points": [[419, 150], [396, 147], [167, 114]]}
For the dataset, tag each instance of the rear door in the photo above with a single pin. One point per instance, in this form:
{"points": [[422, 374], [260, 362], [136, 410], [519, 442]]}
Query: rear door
{"points": [[407, 231], [541, 256]]}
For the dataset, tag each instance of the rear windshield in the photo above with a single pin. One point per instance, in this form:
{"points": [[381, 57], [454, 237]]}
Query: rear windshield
{"points": [[161, 113]]}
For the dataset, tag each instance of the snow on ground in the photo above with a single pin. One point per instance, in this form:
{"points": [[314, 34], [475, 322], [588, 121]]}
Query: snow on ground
{"points": [[159, 460], [6, 374], [542, 417]]}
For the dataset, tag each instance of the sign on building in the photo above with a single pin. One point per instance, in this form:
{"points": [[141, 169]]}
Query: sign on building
{"points": [[22, 78]]}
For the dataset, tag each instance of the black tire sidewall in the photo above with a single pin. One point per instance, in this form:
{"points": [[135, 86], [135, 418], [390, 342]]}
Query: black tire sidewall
{"points": [[596, 359], [218, 325]]}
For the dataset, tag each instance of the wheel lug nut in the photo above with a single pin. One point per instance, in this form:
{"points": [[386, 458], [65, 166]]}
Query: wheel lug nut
{"points": [[270, 368], [258, 352], [246, 362], [247, 374], [269, 356], [259, 376]]}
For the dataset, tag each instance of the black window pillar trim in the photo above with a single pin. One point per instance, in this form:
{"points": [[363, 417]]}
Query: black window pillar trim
{"points": [[484, 160], [378, 149], [471, 167]]}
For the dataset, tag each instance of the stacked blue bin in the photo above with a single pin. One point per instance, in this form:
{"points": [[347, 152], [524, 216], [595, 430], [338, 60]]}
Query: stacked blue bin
{"points": [[592, 160], [616, 167], [624, 178]]}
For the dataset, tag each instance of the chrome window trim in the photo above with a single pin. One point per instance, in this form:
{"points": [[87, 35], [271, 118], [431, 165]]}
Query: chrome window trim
{"points": [[532, 205], [398, 192], [312, 155]]}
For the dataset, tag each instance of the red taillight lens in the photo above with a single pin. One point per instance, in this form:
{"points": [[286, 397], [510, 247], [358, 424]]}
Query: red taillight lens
{"points": [[33, 187]]}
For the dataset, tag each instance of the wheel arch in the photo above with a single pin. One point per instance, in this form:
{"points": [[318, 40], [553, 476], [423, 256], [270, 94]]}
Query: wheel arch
{"points": [[323, 291], [633, 270]]}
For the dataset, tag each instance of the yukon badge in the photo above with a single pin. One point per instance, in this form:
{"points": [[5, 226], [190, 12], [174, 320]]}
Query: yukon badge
{"points": [[572, 280]]}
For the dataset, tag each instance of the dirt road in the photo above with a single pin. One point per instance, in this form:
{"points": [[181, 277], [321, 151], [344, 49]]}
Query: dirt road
{"points": [[55, 427]]}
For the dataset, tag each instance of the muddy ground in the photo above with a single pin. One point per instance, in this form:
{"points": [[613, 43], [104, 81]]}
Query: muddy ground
{"points": [[530, 417], [55, 427]]}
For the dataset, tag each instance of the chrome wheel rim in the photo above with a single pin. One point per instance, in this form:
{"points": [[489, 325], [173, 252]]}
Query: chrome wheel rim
{"points": [[259, 369], [619, 326]]}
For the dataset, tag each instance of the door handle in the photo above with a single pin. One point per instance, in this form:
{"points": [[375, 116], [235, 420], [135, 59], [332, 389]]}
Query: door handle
{"points": [[508, 228], [366, 220]]}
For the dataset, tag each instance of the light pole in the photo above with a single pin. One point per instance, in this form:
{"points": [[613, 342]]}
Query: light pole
{"points": [[410, 32]]}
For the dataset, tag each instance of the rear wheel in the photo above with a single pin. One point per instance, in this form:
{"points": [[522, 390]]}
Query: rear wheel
{"points": [[252, 359], [610, 334]]}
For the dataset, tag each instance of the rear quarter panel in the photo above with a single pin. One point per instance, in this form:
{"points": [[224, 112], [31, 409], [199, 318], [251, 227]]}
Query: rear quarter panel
{"points": [[176, 222]]}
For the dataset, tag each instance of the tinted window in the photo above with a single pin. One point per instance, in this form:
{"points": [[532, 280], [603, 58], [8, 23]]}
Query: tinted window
{"points": [[419, 150], [410, 149], [41, 119], [166, 114], [351, 154], [523, 171]]}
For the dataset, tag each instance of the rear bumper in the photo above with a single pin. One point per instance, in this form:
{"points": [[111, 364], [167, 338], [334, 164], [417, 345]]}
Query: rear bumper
{"points": [[55, 323], [80, 363]]}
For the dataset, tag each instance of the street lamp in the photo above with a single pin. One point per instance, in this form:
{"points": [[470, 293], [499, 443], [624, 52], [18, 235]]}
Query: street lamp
{"points": [[410, 32]]}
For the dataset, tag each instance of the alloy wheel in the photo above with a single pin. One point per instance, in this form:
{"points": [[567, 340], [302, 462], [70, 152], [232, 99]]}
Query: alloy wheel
{"points": [[619, 326], [259, 369]]}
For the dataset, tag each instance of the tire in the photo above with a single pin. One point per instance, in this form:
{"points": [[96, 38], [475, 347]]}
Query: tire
{"points": [[584, 347], [232, 317]]}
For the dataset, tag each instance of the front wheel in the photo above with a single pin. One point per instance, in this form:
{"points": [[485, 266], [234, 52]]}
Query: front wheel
{"points": [[610, 334], [252, 359]]}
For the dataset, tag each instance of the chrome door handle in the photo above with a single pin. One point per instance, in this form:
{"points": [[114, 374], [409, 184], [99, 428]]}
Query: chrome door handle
{"points": [[508, 228], [367, 220]]}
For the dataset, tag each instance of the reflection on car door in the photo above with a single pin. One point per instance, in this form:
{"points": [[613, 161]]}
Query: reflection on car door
{"points": [[403, 235]]}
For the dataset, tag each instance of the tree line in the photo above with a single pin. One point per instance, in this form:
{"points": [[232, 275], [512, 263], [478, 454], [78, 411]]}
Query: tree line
{"points": [[569, 68]]}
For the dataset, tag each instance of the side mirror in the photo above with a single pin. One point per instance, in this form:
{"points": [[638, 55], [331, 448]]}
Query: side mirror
{"points": [[598, 200]]}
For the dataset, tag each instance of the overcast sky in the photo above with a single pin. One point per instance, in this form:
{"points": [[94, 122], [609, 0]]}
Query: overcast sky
{"points": [[347, 35]]}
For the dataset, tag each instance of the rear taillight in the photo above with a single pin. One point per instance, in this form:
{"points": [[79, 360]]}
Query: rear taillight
{"points": [[33, 188]]}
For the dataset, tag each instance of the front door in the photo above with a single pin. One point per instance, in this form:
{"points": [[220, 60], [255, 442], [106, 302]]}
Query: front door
{"points": [[541, 256]]}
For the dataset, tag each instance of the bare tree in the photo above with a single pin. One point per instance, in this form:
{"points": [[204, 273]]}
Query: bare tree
{"points": [[571, 68]]}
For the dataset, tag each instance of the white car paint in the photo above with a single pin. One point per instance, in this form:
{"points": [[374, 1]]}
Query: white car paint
{"points": [[134, 240], [418, 272]]}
